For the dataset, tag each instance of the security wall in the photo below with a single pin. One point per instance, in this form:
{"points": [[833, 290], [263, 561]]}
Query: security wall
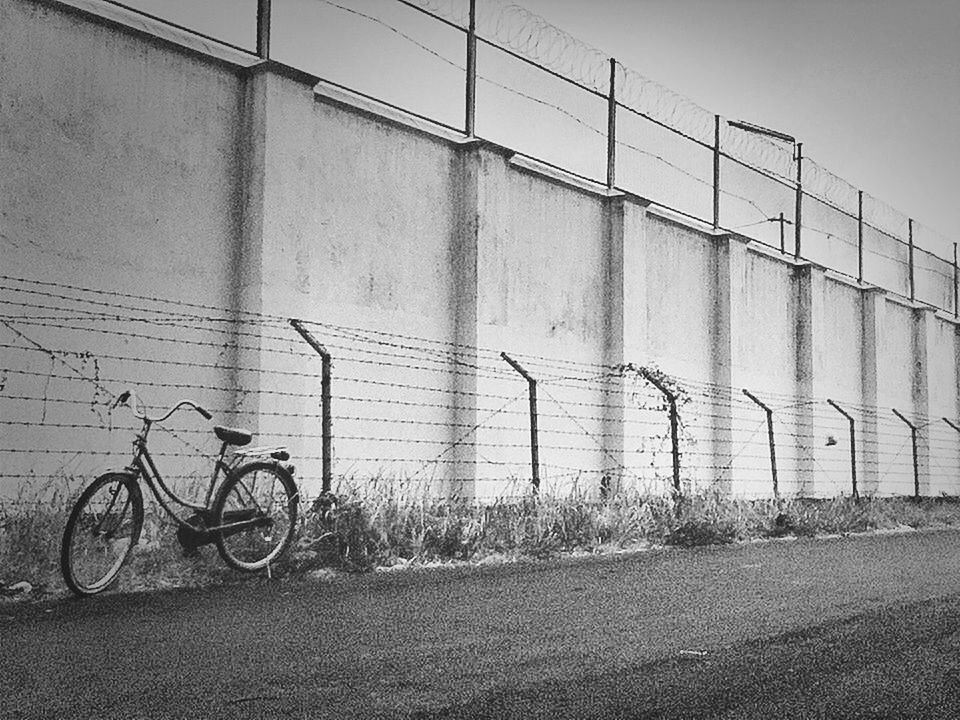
{"points": [[167, 206]]}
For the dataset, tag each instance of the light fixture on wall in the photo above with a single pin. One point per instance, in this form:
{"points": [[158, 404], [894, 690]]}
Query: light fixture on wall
{"points": [[760, 130], [831, 441]]}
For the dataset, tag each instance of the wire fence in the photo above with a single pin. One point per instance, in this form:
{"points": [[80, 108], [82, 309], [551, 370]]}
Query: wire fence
{"points": [[500, 72], [543, 92], [416, 413]]}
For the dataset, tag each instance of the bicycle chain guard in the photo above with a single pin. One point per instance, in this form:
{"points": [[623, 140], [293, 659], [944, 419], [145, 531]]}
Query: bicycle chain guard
{"points": [[195, 534]]}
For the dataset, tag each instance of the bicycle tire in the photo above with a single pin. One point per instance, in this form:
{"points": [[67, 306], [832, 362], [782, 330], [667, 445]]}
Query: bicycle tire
{"points": [[102, 530], [263, 491]]}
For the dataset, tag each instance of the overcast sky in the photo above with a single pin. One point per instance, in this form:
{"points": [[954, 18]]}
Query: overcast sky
{"points": [[871, 87]]}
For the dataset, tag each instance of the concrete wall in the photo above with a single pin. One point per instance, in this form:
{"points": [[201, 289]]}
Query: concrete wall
{"points": [[183, 201], [120, 164]]}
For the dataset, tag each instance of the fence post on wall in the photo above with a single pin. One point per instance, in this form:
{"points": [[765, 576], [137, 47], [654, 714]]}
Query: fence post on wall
{"points": [[948, 421], [263, 29], [910, 249], [798, 223], [716, 172], [326, 422], [956, 286], [534, 441], [470, 121], [859, 236], [913, 438], [771, 440], [612, 127], [674, 422], [853, 446]]}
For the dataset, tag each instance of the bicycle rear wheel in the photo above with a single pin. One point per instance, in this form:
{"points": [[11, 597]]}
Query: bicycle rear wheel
{"points": [[103, 527], [257, 506]]}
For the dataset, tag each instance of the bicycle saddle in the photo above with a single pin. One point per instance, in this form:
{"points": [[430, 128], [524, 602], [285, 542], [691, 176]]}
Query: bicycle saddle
{"points": [[233, 436]]}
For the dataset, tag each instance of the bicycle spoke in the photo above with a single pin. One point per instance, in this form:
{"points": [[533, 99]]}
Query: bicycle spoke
{"points": [[263, 501], [103, 528]]}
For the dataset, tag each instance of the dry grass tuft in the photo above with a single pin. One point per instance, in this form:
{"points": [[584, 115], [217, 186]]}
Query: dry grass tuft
{"points": [[383, 524]]}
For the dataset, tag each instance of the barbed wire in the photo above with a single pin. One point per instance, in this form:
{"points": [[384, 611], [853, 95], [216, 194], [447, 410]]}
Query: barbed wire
{"points": [[632, 445], [528, 36], [516, 30]]}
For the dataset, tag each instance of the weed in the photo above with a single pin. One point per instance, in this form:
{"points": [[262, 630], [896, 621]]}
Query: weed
{"points": [[381, 524]]}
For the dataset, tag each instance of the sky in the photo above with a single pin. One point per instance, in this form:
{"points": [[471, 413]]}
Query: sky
{"points": [[870, 87]]}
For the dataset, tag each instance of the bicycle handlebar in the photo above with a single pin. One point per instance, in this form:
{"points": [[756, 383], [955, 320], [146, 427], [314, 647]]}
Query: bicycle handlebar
{"points": [[130, 399]]}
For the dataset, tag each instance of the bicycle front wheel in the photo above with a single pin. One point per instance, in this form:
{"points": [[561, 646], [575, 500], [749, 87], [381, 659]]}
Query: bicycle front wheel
{"points": [[255, 515], [101, 531]]}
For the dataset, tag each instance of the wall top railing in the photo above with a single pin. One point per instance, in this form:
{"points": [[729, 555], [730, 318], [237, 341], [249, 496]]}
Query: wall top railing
{"points": [[760, 179]]}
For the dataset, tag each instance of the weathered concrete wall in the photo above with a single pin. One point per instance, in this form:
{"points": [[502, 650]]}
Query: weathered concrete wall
{"points": [[209, 198], [944, 374], [358, 230], [541, 297], [896, 391], [113, 145], [840, 371], [120, 163]]}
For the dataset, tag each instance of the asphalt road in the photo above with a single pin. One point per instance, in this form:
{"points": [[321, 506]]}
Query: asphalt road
{"points": [[865, 627]]}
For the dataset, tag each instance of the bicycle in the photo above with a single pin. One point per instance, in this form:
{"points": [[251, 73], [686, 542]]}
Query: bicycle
{"points": [[251, 519]]}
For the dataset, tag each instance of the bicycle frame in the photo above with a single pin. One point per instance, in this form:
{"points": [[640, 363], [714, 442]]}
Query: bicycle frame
{"points": [[143, 466]]}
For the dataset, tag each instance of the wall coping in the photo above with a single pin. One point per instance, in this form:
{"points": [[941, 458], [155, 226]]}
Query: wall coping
{"points": [[730, 236], [137, 24], [947, 317], [326, 92], [525, 163], [761, 249], [907, 302], [682, 220], [273, 67], [842, 279]]}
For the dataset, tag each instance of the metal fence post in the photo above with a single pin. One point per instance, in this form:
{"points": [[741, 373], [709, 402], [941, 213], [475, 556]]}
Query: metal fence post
{"points": [[612, 127], [910, 248], [263, 29], [913, 438], [948, 421], [534, 441], [674, 422], [956, 286], [470, 122], [326, 422], [770, 439], [853, 446], [859, 236], [799, 207], [716, 172]]}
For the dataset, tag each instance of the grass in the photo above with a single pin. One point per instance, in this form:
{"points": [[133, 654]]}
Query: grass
{"points": [[385, 528]]}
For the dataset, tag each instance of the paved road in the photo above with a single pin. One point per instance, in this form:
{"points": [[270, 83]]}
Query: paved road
{"points": [[850, 627]]}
